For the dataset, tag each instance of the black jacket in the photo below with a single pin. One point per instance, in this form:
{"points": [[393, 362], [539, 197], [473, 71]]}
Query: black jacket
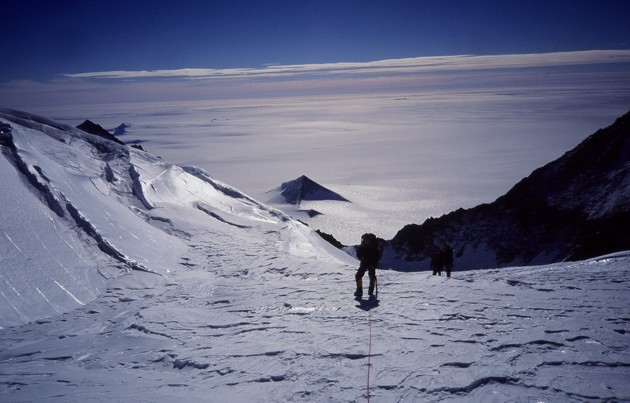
{"points": [[369, 255]]}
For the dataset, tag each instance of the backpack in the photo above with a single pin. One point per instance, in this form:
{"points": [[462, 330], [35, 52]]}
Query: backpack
{"points": [[369, 236], [378, 246]]}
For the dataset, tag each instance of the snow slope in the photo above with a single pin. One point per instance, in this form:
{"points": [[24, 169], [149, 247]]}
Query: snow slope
{"points": [[186, 289], [78, 209]]}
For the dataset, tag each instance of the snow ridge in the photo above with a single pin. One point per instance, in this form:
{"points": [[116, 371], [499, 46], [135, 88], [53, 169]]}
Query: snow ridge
{"points": [[116, 208], [59, 203]]}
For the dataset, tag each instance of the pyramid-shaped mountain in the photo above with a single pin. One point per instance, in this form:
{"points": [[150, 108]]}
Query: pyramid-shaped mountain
{"points": [[121, 129], [304, 188]]}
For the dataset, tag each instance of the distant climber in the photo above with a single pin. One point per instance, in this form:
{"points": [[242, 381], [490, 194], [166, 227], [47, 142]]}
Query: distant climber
{"points": [[442, 259], [369, 254], [436, 263], [447, 259]]}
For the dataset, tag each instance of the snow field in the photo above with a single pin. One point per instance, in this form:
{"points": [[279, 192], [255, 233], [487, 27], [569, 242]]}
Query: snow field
{"points": [[262, 327]]}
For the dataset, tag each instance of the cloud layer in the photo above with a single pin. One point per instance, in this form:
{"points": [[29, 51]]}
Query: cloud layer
{"points": [[396, 66], [599, 70]]}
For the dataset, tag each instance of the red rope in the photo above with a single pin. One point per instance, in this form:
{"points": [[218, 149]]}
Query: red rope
{"points": [[369, 354]]}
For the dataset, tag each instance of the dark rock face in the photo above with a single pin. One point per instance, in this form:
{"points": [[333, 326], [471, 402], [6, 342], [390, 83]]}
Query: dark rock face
{"points": [[330, 239], [575, 207], [96, 129]]}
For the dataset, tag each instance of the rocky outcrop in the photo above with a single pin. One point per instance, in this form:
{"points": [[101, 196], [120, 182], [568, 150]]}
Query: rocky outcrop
{"points": [[575, 207]]}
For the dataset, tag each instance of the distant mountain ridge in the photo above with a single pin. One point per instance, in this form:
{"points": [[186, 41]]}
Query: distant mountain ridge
{"points": [[93, 128], [575, 207], [304, 188]]}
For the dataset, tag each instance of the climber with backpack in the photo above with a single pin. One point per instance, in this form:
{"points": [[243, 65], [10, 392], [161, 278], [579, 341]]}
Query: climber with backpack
{"points": [[369, 254]]}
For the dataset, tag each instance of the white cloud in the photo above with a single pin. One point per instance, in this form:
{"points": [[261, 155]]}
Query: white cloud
{"points": [[394, 66]]}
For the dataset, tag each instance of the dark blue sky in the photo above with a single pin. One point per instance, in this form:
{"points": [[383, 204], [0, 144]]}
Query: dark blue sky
{"points": [[42, 39]]}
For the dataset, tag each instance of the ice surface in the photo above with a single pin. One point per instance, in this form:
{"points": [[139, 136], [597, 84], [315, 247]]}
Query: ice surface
{"points": [[252, 324]]}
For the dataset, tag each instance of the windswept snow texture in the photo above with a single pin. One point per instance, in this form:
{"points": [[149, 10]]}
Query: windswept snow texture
{"points": [[185, 289], [250, 324]]}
